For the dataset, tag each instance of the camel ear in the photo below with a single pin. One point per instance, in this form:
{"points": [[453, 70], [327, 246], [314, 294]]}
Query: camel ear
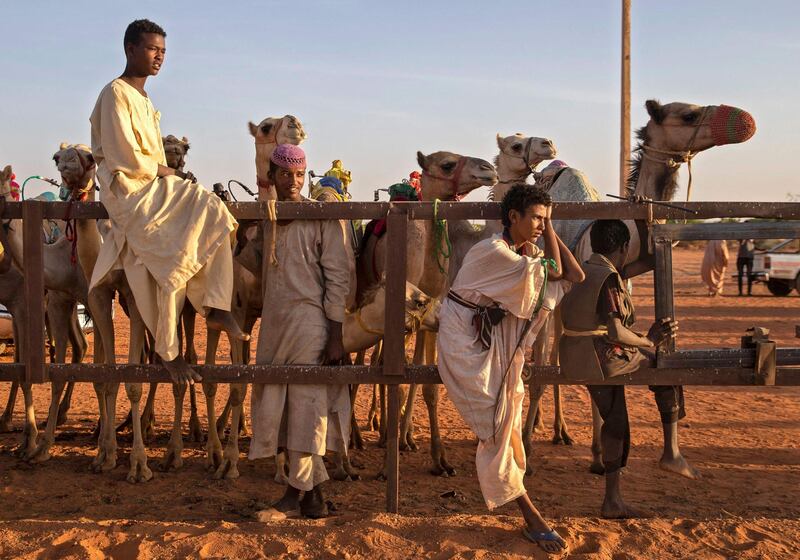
{"points": [[56, 156], [421, 161], [7, 171], [253, 128], [500, 141], [655, 110]]}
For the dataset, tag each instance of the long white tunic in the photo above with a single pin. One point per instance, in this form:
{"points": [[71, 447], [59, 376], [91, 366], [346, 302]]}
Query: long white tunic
{"points": [[308, 287], [489, 400], [163, 229]]}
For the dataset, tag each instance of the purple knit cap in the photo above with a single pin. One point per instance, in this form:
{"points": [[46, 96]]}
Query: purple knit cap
{"points": [[289, 156]]}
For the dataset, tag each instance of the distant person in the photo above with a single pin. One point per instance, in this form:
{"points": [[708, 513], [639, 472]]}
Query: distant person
{"points": [[744, 259], [715, 263]]}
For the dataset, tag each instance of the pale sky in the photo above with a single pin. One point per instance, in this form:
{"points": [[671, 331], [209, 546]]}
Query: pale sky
{"points": [[373, 82]]}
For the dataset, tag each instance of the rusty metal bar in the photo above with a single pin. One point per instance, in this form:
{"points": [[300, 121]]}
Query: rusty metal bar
{"points": [[757, 230], [724, 357], [339, 375], [394, 351], [662, 285], [458, 210], [33, 261]]}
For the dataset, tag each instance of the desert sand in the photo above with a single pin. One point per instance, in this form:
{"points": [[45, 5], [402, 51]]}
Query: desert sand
{"points": [[743, 440]]}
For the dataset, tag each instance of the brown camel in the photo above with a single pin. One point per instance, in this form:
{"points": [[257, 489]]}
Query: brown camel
{"points": [[673, 135], [445, 176]]}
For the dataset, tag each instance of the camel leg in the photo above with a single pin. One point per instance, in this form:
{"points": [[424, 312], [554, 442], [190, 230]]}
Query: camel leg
{"points": [[356, 440], [597, 466], [281, 468], [407, 442], [195, 429], [66, 402], [373, 422], [42, 452], [230, 459], [101, 300], [213, 444], [106, 459], [382, 417], [148, 414], [222, 421], [440, 465], [560, 431], [172, 456], [5, 420], [139, 471], [30, 432]]}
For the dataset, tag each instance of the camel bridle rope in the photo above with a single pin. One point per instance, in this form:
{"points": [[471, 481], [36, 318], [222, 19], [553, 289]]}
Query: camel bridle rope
{"points": [[678, 157]]}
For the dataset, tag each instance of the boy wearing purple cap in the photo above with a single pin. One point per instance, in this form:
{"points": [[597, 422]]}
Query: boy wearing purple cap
{"points": [[306, 281]]}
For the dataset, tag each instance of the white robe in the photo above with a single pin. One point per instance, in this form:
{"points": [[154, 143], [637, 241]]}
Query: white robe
{"points": [[164, 230], [715, 262], [491, 405], [307, 288]]}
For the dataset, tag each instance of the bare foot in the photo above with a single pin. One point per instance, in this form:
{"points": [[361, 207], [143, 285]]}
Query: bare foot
{"points": [[679, 465], [617, 509], [180, 372], [220, 320]]}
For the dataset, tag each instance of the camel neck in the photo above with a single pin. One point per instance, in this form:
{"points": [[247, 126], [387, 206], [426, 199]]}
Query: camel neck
{"points": [[657, 180]]}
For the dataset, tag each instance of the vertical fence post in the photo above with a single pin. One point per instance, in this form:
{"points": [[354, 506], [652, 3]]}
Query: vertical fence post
{"points": [[33, 257], [662, 280], [394, 351]]}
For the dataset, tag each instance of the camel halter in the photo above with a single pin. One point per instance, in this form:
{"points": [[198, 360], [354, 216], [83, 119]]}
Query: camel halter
{"points": [[417, 320], [272, 137], [452, 180], [679, 157], [526, 158]]}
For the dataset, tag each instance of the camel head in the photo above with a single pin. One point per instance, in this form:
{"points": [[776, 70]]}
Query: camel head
{"points": [[418, 309], [678, 131], [5, 182], [269, 133], [519, 155], [175, 149], [77, 167], [449, 176]]}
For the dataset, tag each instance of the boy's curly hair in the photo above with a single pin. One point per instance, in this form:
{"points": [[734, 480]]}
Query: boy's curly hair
{"points": [[135, 30], [522, 196], [608, 235]]}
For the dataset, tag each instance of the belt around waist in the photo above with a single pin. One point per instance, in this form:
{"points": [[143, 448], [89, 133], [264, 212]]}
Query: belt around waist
{"points": [[597, 332]]}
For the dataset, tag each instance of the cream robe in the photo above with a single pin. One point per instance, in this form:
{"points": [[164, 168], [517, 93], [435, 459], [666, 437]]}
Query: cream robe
{"points": [[492, 272], [308, 287], [164, 229], [715, 261]]}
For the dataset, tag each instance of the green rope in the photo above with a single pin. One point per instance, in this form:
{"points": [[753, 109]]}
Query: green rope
{"points": [[546, 263], [440, 236]]}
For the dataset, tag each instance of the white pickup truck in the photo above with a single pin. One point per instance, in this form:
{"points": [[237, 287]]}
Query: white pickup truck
{"points": [[779, 268]]}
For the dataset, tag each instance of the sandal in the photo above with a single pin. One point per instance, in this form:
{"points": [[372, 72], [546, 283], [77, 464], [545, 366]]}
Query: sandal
{"points": [[546, 537]]}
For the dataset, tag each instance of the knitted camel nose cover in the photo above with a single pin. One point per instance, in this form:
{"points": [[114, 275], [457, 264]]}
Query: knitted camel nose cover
{"points": [[731, 125]]}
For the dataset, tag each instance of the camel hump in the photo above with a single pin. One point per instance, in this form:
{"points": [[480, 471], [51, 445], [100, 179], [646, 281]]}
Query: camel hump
{"points": [[572, 185]]}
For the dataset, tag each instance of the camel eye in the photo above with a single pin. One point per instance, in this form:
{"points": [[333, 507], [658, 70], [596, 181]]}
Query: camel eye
{"points": [[265, 128], [448, 167], [516, 147], [689, 118]]}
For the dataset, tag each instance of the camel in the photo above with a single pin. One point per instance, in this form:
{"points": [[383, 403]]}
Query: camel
{"points": [[673, 135], [77, 168], [445, 176], [247, 299], [65, 286]]}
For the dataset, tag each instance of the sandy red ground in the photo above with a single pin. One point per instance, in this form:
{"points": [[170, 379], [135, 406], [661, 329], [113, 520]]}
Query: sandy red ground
{"points": [[744, 440]]}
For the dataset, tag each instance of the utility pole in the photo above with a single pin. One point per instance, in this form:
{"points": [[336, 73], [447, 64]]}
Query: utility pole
{"points": [[625, 97]]}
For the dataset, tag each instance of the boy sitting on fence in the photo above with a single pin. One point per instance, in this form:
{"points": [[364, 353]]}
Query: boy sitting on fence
{"points": [[598, 343]]}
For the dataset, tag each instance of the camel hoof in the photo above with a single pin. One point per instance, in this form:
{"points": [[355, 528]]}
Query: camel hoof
{"points": [[444, 471], [213, 458], [227, 470], [5, 425], [104, 464], [172, 460], [61, 419], [40, 455], [139, 472], [341, 476], [597, 468], [562, 439]]}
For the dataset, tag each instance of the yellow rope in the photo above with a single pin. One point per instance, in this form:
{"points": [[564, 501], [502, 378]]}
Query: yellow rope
{"points": [[364, 326], [273, 217], [597, 332]]}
